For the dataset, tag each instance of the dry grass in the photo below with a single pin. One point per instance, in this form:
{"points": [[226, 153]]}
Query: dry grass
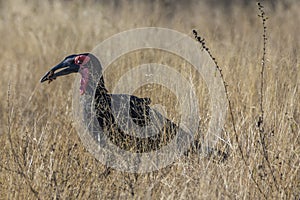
{"points": [[41, 154]]}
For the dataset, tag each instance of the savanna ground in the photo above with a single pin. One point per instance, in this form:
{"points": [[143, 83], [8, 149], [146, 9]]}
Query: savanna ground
{"points": [[41, 153]]}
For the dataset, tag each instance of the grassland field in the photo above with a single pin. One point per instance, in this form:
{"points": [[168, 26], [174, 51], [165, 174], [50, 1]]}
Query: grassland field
{"points": [[41, 154]]}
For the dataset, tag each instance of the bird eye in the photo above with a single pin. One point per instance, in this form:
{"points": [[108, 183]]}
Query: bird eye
{"points": [[78, 62], [81, 60]]}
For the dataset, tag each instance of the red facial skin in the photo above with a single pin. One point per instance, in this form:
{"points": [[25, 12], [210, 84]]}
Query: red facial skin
{"points": [[82, 60]]}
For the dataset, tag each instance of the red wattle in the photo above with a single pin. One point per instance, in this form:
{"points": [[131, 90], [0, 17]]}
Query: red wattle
{"points": [[84, 79]]}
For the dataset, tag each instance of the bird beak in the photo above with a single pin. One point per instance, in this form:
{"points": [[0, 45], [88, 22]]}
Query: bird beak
{"points": [[67, 69]]}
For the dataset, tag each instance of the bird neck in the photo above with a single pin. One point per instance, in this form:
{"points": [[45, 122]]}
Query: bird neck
{"points": [[96, 71], [101, 89]]}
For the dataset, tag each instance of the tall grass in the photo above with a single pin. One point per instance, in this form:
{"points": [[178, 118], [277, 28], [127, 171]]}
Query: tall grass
{"points": [[42, 156]]}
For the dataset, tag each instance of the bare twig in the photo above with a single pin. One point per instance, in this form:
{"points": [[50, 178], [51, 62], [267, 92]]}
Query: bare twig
{"points": [[261, 120], [218, 68]]}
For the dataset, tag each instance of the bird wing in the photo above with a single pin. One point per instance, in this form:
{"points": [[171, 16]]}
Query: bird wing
{"points": [[140, 128], [131, 107], [140, 110], [134, 115]]}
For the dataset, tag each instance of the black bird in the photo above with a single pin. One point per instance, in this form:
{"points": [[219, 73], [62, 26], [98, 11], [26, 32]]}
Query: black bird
{"points": [[121, 116]]}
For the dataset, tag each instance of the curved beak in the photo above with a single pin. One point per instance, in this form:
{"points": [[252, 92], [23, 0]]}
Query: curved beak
{"points": [[66, 69]]}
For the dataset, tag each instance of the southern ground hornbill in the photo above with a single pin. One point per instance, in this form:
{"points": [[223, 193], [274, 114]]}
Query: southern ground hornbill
{"points": [[111, 109]]}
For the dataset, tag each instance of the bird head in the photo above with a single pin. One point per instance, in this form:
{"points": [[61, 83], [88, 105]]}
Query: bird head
{"points": [[76, 63]]}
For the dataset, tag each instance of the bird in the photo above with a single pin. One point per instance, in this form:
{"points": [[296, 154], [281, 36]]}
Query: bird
{"points": [[121, 116]]}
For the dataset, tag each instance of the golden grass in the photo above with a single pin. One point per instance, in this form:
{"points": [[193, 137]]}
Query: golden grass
{"points": [[41, 154]]}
